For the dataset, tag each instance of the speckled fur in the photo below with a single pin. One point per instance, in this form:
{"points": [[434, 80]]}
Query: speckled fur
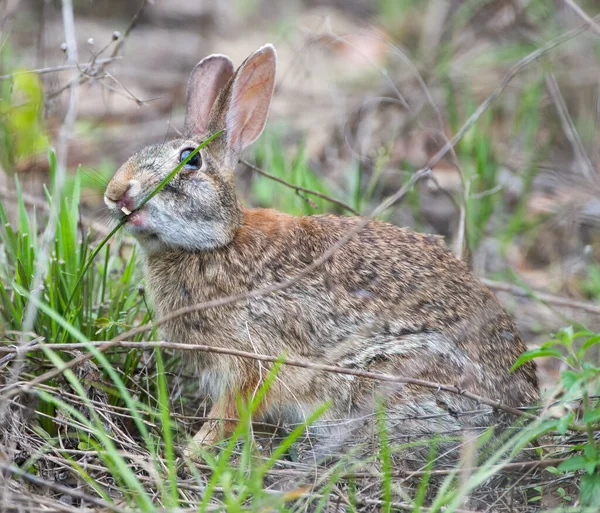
{"points": [[390, 300]]}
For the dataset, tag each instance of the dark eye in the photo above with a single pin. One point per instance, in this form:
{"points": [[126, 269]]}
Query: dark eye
{"points": [[194, 163]]}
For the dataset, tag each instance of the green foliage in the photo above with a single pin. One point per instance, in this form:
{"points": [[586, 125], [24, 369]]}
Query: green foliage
{"points": [[363, 193], [580, 383], [478, 164], [109, 300], [394, 10], [22, 130], [591, 284], [272, 157]]}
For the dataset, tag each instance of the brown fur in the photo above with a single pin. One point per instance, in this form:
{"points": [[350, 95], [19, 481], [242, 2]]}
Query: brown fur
{"points": [[389, 300]]}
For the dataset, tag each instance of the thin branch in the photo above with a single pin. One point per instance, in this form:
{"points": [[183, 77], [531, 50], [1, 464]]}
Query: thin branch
{"points": [[404, 474], [268, 358], [129, 28], [581, 157], [42, 71], [522, 64], [298, 188], [13, 390], [542, 296], [590, 22], [404, 506]]}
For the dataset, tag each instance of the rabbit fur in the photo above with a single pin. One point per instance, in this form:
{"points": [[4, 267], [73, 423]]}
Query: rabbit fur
{"points": [[389, 300]]}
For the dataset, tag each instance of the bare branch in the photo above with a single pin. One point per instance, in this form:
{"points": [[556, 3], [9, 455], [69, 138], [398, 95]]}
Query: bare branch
{"points": [[522, 64], [11, 391], [129, 28], [85, 68], [590, 22], [581, 157], [268, 358], [297, 188], [542, 296]]}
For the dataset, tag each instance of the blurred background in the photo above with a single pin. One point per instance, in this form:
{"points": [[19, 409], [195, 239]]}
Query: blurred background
{"points": [[367, 92]]}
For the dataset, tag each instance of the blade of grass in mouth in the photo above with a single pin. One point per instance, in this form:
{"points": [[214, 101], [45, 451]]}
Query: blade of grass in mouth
{"points": [[156, 190]]}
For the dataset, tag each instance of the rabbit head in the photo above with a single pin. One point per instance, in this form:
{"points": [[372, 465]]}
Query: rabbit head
{"points": [[198, 209]]}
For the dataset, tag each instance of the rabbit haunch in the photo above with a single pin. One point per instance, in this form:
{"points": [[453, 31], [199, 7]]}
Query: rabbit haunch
{"points": [[389, 300]]}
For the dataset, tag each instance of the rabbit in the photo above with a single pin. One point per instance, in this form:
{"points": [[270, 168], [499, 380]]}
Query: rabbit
{"points": [[389, 300]]}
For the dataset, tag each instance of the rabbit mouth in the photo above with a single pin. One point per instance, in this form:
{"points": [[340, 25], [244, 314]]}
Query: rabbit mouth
{"points": [[136, 218]]}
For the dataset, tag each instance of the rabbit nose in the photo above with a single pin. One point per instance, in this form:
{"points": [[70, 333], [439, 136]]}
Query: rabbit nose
{"points": [[120, 196], [115, 193], [120, 184]]}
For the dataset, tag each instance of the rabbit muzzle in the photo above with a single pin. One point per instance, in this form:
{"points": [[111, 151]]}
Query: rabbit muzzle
{"points": [[122, 201]]}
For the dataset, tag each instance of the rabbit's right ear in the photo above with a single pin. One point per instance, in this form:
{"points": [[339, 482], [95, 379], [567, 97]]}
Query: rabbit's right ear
{"points": [[207, 79], [246, 106]]}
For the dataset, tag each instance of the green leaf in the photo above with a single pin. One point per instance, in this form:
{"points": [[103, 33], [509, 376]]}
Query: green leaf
{"points": [[573, 463], [590, 490], [590, 342], [563, 423], [566, 335], [156, 190], [569, 379], [550, 343], [535, 353], [591, 416], [590, 451]]}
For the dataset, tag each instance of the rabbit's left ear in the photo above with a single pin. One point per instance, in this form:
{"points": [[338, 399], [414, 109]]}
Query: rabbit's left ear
{"points": [[247, 104], [207, 79]]}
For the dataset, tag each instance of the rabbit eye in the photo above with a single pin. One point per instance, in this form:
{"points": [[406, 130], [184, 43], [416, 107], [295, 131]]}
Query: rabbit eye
{"points": [[194, 163]]}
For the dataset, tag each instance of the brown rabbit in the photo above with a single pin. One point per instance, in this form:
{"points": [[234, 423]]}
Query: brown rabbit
{"points": [[389, 300]]}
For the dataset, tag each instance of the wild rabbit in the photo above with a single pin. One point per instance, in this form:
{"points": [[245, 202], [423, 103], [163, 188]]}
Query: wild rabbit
{"points": [[389, 300]]}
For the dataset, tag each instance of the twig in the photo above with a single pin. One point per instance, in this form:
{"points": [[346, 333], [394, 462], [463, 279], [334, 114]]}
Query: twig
{"points": [[590, 22], [581, 157], [268, 358], [404, 474], [297, 188], [38, 481], [129, 28], [12, 390], [403, 505], [542, 296], [42, 71]]}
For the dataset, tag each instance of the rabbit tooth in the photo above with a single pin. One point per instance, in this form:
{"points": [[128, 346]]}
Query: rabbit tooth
{"points": [[126, 211]]}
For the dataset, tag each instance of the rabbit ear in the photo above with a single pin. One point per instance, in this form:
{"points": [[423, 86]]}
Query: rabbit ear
{"points": [[247, 105], [207, 79]]}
